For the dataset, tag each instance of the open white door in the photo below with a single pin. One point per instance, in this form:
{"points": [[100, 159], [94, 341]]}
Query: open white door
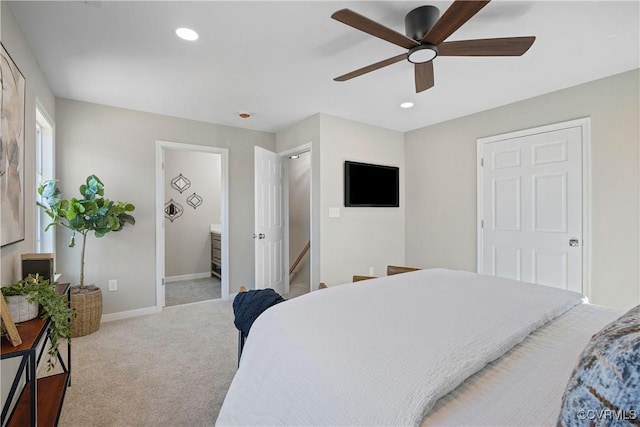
{"points": [[531, 207], [269, 230]]}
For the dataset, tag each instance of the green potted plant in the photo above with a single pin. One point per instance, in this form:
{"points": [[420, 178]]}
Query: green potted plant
{"points": [[91, 213], [38, 291]]}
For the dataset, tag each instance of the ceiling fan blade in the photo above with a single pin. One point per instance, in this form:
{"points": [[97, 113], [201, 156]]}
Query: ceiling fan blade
{"points": [[453, 18], [362, 23], [371, 67], [424, 76], [508, 46]]}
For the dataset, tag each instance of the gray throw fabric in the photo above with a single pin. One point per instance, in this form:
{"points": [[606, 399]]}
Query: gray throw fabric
{"points": [[604, 389]]}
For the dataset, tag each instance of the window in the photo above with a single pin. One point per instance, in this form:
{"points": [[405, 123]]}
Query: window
{"points": [[45, 161]]}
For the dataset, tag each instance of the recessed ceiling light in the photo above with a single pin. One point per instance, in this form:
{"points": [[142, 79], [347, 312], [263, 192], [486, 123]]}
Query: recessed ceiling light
{"points": [[406, 105], [187, 34]]}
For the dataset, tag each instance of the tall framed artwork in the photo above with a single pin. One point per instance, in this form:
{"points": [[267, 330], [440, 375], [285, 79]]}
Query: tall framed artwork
{"points": [[12, 114]]}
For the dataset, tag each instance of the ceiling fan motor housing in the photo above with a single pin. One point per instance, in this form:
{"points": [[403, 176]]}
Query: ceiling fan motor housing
{"points": [[420, 20]]}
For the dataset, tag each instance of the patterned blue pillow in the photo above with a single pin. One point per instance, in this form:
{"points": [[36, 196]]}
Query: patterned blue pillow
{"points": [[604, 389]]}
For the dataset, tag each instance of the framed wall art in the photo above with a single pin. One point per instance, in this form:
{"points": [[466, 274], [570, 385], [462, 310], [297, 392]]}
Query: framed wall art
{"points": [[180, 183], [12, 114], [194, 200], [173, 210]]}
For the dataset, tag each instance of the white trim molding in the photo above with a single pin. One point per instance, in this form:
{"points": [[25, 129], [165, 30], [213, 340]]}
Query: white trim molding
{"points": [[192, 276], [314, 247], [128, 314]]}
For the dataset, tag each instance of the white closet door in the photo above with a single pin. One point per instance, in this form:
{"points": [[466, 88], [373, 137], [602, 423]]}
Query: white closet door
{"points": [[532, 208]]}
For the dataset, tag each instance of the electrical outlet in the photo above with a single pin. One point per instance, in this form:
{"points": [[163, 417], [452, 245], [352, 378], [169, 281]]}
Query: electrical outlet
{"points": [[113, 285], [370, 271]]}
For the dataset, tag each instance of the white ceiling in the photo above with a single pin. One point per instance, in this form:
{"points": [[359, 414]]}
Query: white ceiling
{"points": [[277, 60]]}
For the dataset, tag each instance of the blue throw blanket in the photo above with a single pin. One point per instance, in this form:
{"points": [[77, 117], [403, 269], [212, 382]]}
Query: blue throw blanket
{"points": [[247, 306]]}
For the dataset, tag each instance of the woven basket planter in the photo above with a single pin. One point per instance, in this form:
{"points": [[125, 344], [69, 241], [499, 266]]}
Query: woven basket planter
{"points": [[20, 309], [88, 309]]}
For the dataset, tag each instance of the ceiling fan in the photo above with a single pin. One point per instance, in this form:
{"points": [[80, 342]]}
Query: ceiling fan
{"points": [[425, 39]]}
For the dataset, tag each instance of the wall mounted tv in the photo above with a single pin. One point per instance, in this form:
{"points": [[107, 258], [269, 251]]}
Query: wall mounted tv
{"points": [[367, 185]]}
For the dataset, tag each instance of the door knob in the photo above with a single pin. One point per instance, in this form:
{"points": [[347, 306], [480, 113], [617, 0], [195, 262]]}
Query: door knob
{"points": [[574, 243], [261, 236]]}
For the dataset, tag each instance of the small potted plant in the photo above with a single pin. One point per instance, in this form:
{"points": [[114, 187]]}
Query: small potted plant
{"points": [[53, 306], [92, 212]]}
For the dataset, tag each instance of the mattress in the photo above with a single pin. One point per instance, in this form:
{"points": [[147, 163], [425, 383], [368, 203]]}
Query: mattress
{"points": [[382, 352], [525, 386]]}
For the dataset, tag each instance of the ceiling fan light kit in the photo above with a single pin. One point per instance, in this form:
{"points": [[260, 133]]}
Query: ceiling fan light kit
{"points": [[422, 53], [426, 32]]}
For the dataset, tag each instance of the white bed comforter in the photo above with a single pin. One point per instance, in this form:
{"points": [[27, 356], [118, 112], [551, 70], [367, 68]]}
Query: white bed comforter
{"points": [[381, 352]]}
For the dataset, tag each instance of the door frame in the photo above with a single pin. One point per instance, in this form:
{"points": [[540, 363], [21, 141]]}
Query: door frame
{"points": [[585, 125], [161, 146], [314, 244]]}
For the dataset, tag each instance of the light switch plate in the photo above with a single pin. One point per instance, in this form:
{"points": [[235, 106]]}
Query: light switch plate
{"points": [[334, 212]]}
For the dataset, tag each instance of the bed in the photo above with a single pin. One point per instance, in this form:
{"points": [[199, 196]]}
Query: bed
{"points": [[430, 347]]}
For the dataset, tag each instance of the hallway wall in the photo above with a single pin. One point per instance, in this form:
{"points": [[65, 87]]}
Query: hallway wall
{"points": [[299, 214]]}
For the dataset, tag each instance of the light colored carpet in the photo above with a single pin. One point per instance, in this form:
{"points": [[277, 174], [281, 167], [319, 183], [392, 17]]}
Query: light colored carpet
{"points": [[167, 369], [188, 291]]}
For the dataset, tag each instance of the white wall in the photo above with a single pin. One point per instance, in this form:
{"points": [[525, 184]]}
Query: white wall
{"points": [[361, 237], [441, 181], [188, 237], [118, 145]]}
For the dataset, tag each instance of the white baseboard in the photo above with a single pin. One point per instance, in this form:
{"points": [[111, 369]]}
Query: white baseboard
{"points": [[128, 314], [192, 276]]}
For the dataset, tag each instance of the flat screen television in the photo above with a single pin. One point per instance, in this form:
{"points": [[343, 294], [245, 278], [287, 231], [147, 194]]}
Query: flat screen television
{"points": [[368, 185]]}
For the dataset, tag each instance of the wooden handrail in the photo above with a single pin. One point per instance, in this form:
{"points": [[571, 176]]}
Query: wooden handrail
{"points": [[302, 254]]}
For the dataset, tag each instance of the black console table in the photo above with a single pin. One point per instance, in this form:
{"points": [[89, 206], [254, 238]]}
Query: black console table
{"points": [[40, 400]]}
